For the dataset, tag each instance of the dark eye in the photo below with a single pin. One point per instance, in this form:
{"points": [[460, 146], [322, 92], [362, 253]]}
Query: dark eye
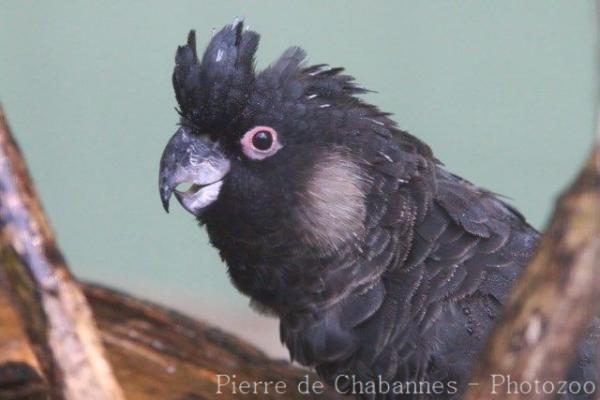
{"points": [[260, 142]]}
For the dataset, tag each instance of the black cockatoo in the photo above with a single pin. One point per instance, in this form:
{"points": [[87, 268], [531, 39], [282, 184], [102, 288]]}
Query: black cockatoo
{"points": [[380, 264]]}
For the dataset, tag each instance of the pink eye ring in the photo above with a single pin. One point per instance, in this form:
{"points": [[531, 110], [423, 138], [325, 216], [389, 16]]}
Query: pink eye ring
{"points": [[260, 142]]}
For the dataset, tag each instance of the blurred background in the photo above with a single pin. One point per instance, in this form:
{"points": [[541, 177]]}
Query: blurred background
{"points": [[504, 92]]}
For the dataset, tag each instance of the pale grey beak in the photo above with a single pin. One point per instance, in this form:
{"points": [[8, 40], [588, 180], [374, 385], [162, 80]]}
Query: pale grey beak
{"points": [[195, 160]]}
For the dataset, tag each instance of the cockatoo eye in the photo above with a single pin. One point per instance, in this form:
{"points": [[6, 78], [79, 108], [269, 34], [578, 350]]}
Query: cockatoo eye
{"points": [[260, 142]]}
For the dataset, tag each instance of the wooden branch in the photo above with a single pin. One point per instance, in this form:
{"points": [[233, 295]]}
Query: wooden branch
{"points": [[161, 354], [52, 308], [555, 299], [20, 373], [157, 353]]}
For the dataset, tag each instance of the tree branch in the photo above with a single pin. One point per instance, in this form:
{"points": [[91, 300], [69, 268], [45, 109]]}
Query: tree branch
{"points": [[54, 313], [555, 299]]}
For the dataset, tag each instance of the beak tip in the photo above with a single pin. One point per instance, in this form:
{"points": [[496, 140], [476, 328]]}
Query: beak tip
{"points": [[165, 195], [165, 204]]}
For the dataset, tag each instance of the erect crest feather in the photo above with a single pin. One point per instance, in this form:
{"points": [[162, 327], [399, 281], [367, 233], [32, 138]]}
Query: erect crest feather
{"points": [[215, 89]]}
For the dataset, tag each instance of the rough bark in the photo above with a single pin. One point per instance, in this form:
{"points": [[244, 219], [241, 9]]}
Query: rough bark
{"points": [[155, 353], [20, 373], [555, 299], [50, 303]]}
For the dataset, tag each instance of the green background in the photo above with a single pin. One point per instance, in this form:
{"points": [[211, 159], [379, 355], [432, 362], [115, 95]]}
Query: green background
{"points": [[503, 91]]}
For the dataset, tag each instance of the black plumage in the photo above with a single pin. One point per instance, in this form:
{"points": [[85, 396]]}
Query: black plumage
{"points": [[378, 261]]}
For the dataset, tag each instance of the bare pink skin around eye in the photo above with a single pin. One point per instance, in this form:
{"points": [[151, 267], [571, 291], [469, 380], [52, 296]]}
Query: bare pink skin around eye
{"points": [[257, 154]]}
